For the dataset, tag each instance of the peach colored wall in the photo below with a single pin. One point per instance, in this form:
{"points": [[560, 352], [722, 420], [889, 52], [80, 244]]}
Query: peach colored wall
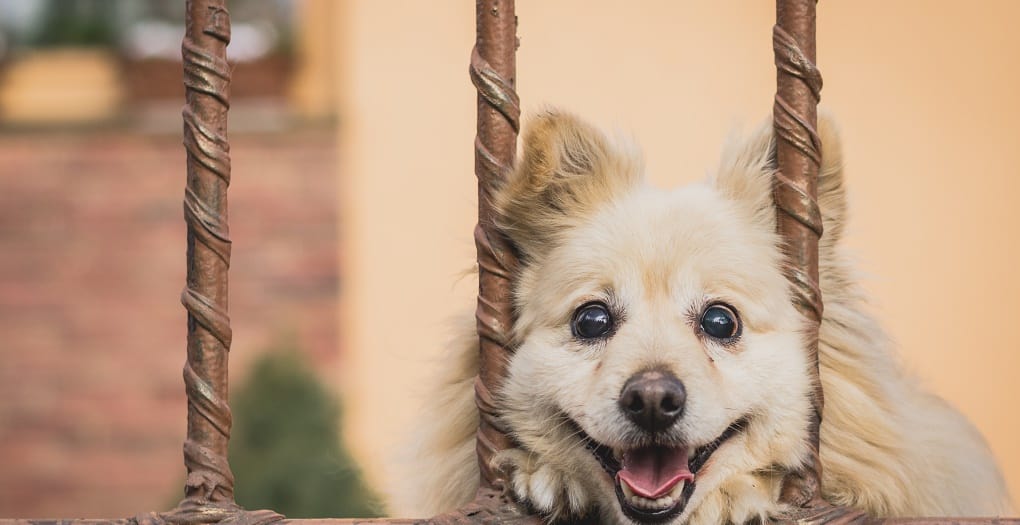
{"points": [[926, 93]]}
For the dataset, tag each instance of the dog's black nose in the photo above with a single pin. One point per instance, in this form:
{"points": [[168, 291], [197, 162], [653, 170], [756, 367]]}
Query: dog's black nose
{"points": [[653, 399]]}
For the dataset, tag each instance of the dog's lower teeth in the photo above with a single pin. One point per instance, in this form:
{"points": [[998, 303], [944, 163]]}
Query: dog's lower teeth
{"points": [[645, 503], [665, 502]]}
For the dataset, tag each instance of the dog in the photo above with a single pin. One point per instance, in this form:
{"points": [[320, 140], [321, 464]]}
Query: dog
{"points": [[661, 373]]}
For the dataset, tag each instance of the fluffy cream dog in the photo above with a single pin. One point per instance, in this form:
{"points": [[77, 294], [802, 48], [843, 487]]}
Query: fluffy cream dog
{"points": [[661, 374]]}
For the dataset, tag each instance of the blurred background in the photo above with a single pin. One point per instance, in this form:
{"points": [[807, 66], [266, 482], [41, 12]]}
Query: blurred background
{"points": [[352, 203]]}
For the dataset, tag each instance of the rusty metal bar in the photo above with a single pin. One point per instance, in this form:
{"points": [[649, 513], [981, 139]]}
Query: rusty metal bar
{"points": [[848, 519], [209, 486], [798, 86], [493, 72], [207, 82]]}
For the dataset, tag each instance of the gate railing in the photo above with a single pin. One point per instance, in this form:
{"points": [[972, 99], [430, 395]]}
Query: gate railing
{"points": [[209, 488]]}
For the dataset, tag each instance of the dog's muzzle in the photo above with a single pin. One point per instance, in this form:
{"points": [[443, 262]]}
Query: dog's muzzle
{"points": [[654, 482]]}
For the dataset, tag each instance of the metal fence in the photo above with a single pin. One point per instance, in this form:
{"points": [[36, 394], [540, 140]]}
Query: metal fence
{"points": [[209, 488]]}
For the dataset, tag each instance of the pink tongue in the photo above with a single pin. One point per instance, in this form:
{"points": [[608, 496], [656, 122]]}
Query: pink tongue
{"points": [[652, 472]]}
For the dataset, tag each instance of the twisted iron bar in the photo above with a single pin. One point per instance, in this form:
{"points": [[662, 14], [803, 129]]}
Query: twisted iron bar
{"points": [[209, 488], [796, 186], [492, 70], [799, 220], [207, 82]]}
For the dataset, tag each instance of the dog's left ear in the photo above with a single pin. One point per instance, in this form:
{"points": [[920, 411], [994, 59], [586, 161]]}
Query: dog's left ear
{"points": [[748, 168]]}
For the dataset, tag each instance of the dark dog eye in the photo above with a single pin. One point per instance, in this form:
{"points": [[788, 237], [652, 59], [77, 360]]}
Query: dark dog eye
{"points": [[720, 321], [592, 321]]}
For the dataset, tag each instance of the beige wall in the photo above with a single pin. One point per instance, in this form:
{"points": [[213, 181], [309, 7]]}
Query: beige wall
{"points": [[313, 84], [927, 98]]}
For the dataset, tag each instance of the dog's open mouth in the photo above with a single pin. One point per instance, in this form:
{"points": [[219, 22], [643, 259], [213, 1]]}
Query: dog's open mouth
{"points": [[654, 483]]}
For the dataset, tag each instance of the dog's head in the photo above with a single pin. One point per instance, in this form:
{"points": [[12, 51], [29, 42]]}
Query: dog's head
{"points": [[659, 354]]}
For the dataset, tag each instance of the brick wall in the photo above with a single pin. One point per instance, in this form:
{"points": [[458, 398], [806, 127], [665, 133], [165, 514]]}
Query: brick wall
{"points": [[92, 334]]}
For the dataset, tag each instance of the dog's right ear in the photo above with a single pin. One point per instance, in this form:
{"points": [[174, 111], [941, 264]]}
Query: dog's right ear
{"points": [[748, 169], [567, 170]]}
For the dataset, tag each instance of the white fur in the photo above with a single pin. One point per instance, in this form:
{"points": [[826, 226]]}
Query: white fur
{"points": [[590, 229]]}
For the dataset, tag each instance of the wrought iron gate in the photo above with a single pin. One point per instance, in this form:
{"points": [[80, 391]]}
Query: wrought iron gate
{"points": [[209, 488]]}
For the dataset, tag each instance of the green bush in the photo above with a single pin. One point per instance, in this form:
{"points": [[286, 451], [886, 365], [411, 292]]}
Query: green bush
{"points": [[285, 449], [90, 23]]}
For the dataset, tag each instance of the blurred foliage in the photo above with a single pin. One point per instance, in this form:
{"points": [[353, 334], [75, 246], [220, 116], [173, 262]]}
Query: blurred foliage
{"points": [[109, 23], [88, 23], [285, 449]]}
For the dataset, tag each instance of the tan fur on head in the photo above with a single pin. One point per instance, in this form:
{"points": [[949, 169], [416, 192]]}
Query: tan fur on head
{"points": [[590, 230], [568, 168]]}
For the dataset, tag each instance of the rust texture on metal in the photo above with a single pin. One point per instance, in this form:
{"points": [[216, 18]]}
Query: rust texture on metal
{"points": [[209, 486], [498, 515], [207, 82], [799, 221], [493, 70]]}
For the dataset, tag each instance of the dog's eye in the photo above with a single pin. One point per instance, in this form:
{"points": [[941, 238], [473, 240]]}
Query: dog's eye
{"points": [[720, 321], [592, 321]]}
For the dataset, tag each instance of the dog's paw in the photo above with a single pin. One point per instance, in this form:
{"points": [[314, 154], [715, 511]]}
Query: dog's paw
{"points": [[546, 488], [744, 498]]}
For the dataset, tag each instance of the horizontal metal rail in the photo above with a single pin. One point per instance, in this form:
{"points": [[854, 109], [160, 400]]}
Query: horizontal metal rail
{"points": [[488, 519]]}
